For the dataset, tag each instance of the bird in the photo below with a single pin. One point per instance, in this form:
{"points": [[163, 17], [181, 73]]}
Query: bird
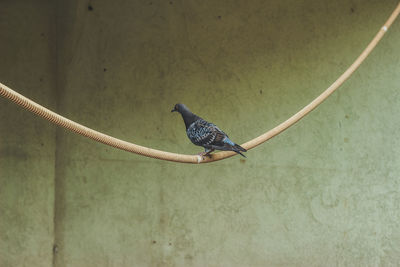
{"points": [[206, 134]]}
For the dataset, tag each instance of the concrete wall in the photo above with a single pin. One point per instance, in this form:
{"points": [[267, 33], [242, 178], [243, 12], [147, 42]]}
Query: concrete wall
{"points": [[324, 193], [27, 143]]}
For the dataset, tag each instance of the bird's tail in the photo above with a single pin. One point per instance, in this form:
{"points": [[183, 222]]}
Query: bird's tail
{"points": [[238, 149]]}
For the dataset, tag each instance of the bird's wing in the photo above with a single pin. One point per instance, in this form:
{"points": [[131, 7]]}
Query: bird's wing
{"points": [[203, 133], [221, 138], [209, 136]]}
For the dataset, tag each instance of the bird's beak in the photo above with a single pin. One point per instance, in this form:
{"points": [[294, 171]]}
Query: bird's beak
{"points": [[173, 110]]}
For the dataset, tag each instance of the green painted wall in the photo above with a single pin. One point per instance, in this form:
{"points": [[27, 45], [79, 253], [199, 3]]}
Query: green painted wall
{"points": [[27, 143], [324, 193]]}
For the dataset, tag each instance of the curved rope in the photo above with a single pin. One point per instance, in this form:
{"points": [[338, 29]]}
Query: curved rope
{"points": [[158, 154]]}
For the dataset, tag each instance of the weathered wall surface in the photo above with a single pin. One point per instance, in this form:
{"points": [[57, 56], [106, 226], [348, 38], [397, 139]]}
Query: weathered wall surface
{"points": [[27, 143], [325, 192]]}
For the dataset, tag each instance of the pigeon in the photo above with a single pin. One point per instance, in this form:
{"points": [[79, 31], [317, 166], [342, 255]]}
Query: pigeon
{"points": [[206, 134]]}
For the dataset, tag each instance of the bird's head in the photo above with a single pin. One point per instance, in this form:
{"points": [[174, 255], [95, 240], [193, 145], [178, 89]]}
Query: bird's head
{"points": [[179, 107]]}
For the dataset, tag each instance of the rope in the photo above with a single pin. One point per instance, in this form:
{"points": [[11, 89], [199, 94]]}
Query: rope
{"points": [[158, 154]]}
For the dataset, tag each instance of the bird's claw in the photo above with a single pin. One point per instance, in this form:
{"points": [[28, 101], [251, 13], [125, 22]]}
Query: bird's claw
{"points": [[204, 154]]}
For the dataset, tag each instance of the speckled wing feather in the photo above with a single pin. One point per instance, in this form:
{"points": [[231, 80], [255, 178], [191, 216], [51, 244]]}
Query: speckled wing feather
{"points": [[209, 136], [203, 133]]}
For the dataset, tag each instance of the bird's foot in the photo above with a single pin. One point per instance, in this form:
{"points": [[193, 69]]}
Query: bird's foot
{"points": [[205, 154]]}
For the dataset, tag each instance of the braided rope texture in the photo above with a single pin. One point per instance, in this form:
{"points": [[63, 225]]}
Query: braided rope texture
{"points": [[59, 120]]}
